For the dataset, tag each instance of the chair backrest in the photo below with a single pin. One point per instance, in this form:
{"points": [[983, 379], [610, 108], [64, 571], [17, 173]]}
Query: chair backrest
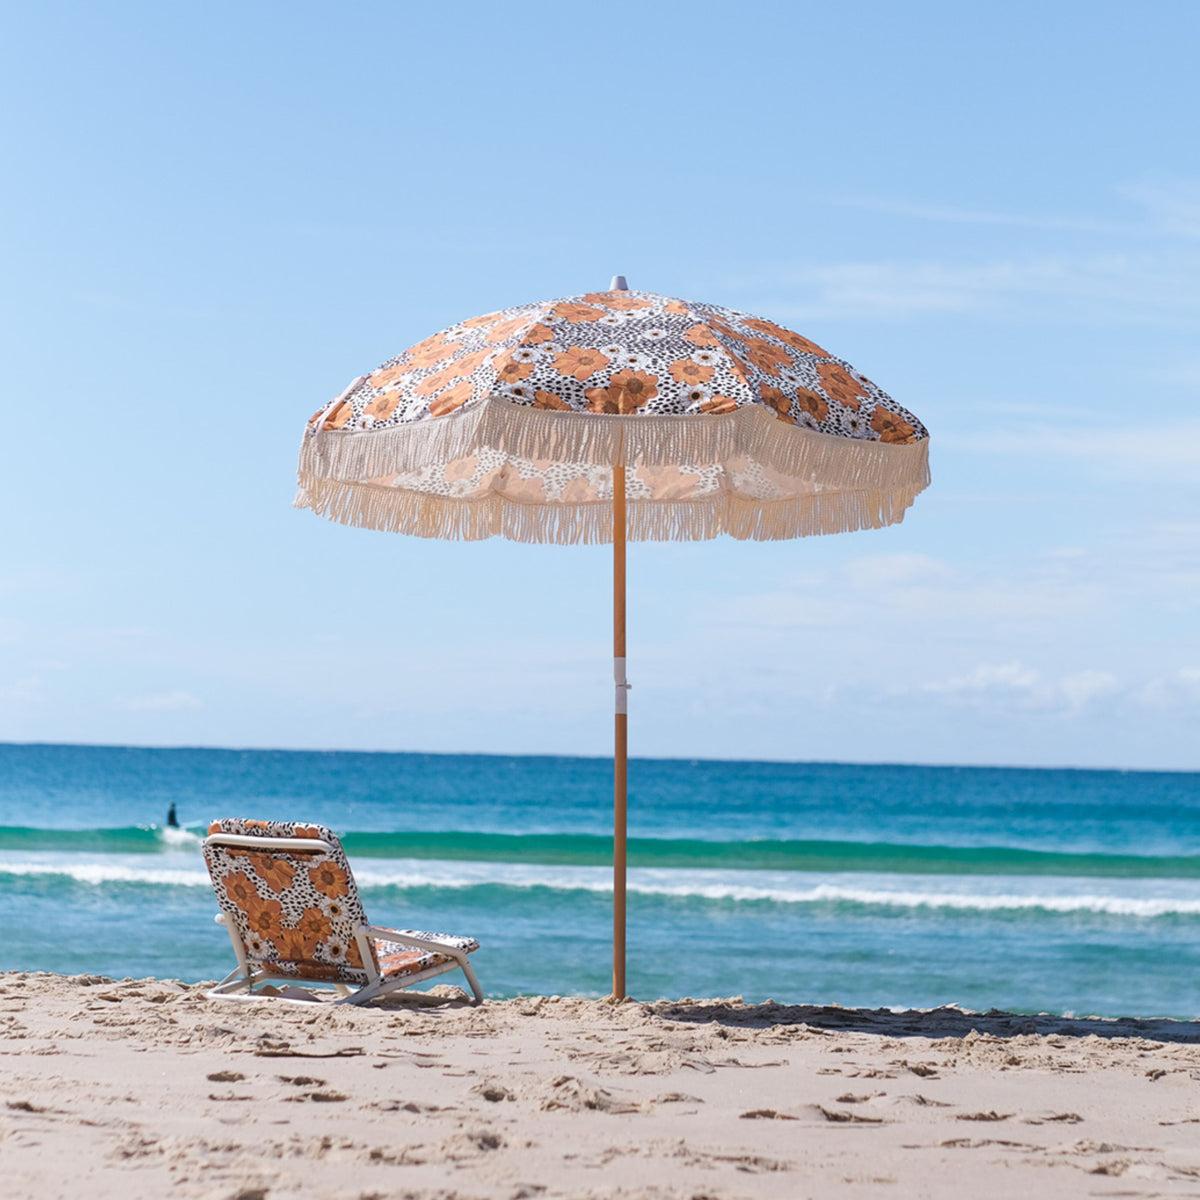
{"points": [[296, 911]]}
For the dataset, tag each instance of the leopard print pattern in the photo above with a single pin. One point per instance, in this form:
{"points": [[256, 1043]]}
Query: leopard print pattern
{"points": [[296, 913], [395, 958], [626, 352]]}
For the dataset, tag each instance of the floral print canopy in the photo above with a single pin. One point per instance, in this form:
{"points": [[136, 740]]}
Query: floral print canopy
{"points": [[510, 424]]}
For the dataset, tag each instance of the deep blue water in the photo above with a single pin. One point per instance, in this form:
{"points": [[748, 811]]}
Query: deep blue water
{"points": [[1067, 891]]}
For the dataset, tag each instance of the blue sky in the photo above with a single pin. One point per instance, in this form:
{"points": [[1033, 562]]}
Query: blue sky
{"points": [[218, 214]]}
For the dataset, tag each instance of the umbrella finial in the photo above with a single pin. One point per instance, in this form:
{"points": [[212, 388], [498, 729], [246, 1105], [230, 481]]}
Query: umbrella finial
{"points": [[618, 284]]}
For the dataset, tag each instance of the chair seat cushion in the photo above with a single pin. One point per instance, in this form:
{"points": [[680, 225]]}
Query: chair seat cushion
{"points": [[395, 958]]}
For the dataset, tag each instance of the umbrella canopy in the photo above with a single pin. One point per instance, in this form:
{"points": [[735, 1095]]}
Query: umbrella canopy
{"points": [[509, 424], [609, 416]]}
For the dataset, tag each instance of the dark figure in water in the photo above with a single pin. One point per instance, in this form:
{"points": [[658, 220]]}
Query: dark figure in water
{"points": [[172, 820]]}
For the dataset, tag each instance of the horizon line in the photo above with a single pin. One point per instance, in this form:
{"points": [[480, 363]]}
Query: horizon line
{"points": [[797, 762]]}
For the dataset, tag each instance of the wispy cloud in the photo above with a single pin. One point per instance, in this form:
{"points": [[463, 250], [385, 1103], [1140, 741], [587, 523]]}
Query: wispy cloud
{"points": [[1185, 374], [1136, 288], [22, 692], [1173, 205], [1170, 206], [954, 215], [918, 589], [1121, 449], [159, 702], [1127, 275], [1014, 681], [1167, 693]]}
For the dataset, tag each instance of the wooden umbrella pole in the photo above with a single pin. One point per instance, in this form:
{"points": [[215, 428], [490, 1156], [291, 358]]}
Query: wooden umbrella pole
{"points": [[621, 734]]}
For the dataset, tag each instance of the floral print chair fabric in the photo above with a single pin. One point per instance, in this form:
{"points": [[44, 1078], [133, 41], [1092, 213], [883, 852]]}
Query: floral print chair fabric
{"points": [[510, 424], [295, 914]]}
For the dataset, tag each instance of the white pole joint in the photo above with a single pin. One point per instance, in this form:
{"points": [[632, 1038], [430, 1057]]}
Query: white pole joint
{"points": [[623, 685]]}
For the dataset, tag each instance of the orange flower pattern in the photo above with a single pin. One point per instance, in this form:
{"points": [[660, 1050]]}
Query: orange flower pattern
{"points": [[505, 329], [451, 399], [577, 313], [389, 375], [329, 879], [625, 353], [773, 398], [276, 873], [424, 354], [687, 370], [786, 336], [627, 392], [765, 356], [841, 385], [297, 913], [511, 370], [292, 909], [701, 335], [620, 301], [891, 427], [383, 405], [813, 404], [579, 362]]}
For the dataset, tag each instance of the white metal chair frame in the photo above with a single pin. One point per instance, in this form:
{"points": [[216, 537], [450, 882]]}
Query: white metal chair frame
{"points": [[239, 984]]}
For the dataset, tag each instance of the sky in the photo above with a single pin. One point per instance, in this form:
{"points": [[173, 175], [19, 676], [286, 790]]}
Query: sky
{"points": [[218, 214]]}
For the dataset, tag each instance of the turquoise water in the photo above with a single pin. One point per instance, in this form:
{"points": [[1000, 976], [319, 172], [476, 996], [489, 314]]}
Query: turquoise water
{"points": [[1066, 891]]}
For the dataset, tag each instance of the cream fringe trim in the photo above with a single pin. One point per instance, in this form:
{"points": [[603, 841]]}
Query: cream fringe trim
{"points": [[602, 439], [864, 484], [424, 515]]}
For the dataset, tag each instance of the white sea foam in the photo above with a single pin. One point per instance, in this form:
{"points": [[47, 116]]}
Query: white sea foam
{"points": [[178, 838], [99, 874], [1062, 895]]}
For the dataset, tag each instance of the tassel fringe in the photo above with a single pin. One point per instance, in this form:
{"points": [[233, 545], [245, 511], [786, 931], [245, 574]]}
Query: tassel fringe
{"points": [[422, 515], [842, 484], [850, 464]]}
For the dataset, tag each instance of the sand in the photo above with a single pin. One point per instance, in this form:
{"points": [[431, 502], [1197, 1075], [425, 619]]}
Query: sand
{"points": [[143, 1088]]}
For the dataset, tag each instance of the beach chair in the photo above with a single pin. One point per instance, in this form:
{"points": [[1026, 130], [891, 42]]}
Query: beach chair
{"points": [[292, 910]]}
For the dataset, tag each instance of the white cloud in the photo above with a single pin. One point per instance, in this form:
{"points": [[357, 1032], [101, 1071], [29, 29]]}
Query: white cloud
{"points": [[989, 677], [1170, 692], [884, 570], [1013, 681], [1181, 374], [909, 289], [1127, 450], [1168, 206], [1173, 205], [22, 692], [1141, 288], [160, 702], [1086, 686], [954, 215], [920, 590]]}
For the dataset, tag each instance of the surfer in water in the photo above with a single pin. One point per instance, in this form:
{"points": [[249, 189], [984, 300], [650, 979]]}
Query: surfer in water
{"points": [[172, 819]]}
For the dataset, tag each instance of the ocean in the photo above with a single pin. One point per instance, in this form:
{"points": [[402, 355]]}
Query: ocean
{"points": [[1066, 891]]}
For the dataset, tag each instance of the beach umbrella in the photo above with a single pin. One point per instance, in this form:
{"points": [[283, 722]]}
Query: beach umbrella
{"points": [[607, 417]]}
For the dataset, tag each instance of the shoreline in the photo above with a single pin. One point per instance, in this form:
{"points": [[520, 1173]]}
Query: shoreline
{"points": [[142, 1088]]}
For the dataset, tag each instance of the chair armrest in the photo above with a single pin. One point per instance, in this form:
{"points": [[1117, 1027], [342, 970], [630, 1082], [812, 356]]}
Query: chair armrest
{"points": [[407, 939]]}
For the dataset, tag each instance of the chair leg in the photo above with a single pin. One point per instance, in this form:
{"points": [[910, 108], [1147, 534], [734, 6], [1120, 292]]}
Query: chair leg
{"points": [[470, 974]]}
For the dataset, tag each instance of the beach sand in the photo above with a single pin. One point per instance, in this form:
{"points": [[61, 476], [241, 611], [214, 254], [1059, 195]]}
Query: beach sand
{"points": [[143, 1088]]}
